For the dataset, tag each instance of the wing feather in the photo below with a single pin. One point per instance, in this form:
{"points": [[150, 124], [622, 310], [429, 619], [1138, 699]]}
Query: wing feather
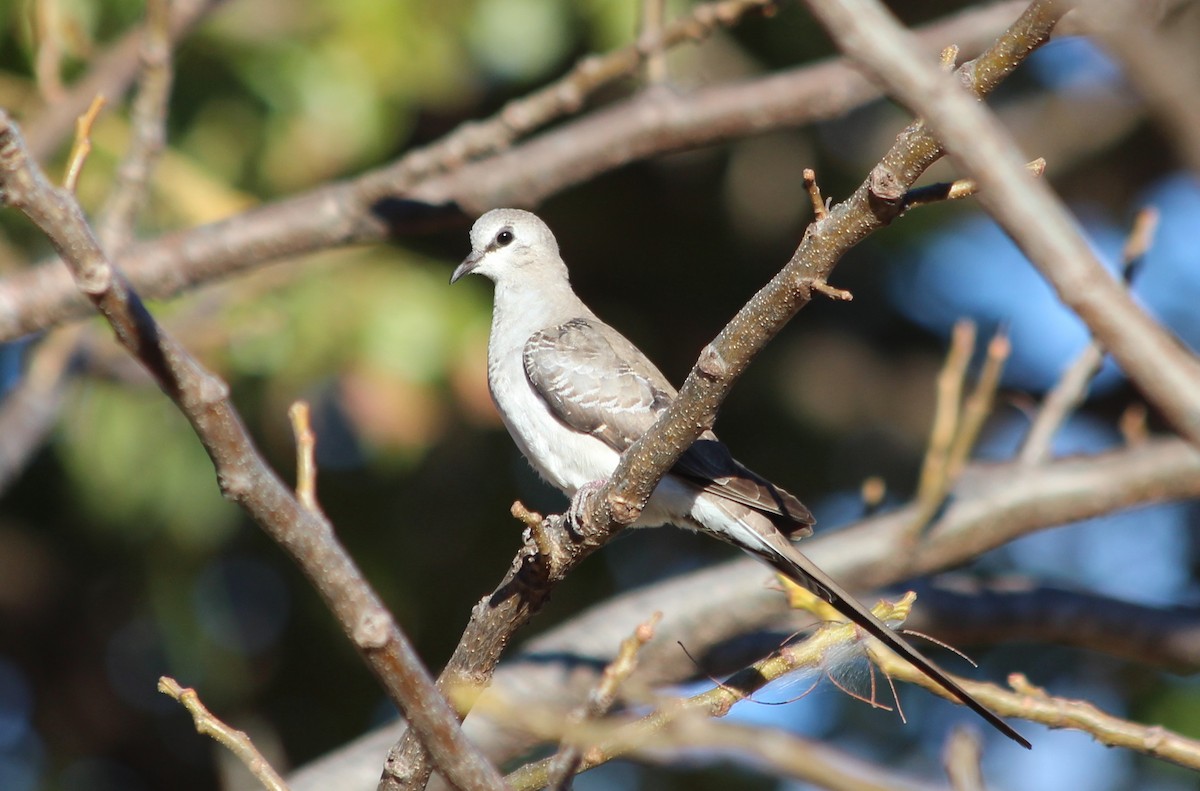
{"points": [[597, 382]]}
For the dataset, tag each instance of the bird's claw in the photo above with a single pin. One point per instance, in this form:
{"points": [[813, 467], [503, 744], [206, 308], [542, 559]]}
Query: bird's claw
{"points": [[577, 511]]}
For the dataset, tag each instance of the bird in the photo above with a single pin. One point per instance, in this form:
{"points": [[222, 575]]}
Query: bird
{"points": [[574, 393]]}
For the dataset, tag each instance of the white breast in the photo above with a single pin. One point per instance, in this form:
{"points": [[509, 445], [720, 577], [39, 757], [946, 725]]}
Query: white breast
{"points": [[564, 457], [561, 455]]}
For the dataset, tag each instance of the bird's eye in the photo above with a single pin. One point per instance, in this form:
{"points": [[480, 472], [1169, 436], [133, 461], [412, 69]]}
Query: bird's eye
{"points": [[504, 238]]}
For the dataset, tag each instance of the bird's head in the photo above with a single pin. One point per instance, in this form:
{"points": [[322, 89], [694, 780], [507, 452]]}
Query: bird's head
{"points": [[511, 245]]}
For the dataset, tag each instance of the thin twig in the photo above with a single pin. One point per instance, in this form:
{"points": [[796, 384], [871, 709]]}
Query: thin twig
{"points": [[1071, 389], [935, 478], [83, 144], [961, 757], [565, 764], [306, 468], [48, 60], [814, 195], [978, 405], [116, 220], [653, 16], [236, 741], [29, 411], [957, 189]]}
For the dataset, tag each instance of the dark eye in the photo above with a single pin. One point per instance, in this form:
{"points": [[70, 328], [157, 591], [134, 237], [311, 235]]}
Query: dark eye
{"points": [[504, 238]]}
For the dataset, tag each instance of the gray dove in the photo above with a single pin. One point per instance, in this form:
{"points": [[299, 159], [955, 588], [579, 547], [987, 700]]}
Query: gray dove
{"points": [[575, 394]]}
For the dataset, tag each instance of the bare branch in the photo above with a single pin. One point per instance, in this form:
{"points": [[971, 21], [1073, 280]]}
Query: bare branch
{"points": [[1012, 611], [1071, 390], [243, 475], [109, 75], [1036, 705], [992, 504], [1153, 740], [565, 764], [1150, 355], [237, 742], [961, 759], [116, 219], [721, 363], [348, 212]]}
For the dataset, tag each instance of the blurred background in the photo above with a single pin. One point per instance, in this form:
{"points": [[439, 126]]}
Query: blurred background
{"points": [[119, 561]]}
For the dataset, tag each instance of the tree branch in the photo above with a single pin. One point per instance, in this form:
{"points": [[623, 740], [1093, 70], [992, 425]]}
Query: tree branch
{"points": [[242, 474], [622, 498], [1012, 612], [350, 212], [874, 204], [1161, 368], [709, 610], [108, 75]]}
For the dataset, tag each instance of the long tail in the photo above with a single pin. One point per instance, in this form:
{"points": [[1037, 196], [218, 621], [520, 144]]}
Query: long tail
{"points": [[778, 552]]}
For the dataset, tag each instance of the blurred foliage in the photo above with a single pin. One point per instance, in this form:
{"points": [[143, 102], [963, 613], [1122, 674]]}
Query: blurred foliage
{"points": [[111, 431], [270, 97], [119, 559]]}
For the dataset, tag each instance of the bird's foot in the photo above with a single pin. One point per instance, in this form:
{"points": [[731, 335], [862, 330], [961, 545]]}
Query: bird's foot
{"points": [[577, 511]]}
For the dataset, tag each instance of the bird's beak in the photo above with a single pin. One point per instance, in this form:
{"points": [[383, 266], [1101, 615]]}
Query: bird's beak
{"points": [[467, 266]]}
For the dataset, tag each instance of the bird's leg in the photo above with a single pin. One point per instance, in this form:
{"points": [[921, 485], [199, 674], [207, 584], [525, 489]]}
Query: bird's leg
{"points": [[577, 510]]}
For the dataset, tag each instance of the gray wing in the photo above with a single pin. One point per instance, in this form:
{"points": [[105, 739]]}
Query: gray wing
{"points": [[595, 381]]}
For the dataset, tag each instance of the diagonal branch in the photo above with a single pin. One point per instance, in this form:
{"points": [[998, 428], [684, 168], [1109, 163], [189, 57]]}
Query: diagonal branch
{"points": [[874, 204], [346, 213], [706, 610], [832, 644], [1072, 387], [1157, 637], [1166, 372], [522, 594], [243, 475]]}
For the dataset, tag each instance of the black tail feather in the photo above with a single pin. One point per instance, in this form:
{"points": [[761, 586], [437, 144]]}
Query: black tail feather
{"points": [[796, 567]]}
